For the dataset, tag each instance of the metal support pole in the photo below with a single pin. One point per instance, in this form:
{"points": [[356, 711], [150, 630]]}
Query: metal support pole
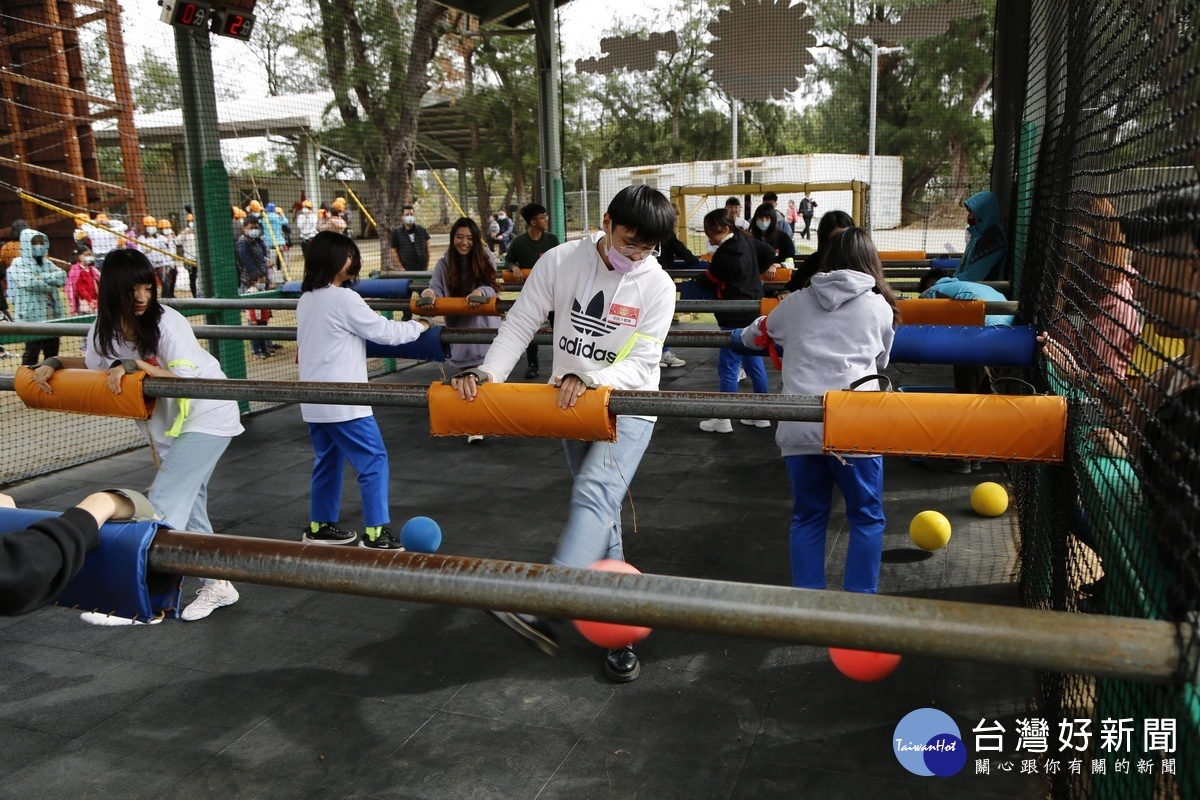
{"points": [[546, 45], [734, 103], [1054, 641], [214, 234], [871, 131], [310, 168], [587, 226]]}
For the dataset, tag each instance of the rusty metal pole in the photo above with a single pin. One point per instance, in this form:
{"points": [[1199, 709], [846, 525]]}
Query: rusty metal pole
{"points": [[1054, 641]]}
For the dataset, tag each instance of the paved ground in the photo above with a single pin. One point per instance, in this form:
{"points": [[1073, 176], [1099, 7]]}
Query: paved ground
{"points": [[294, 694]]}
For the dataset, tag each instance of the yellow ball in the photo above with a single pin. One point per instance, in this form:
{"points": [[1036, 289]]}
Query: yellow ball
{"points": [[929, 530], [989, 499]]}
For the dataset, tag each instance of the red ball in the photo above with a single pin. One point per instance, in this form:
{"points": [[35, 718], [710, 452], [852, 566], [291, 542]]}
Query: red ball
{"points": [[864, 665], [610, 635]]}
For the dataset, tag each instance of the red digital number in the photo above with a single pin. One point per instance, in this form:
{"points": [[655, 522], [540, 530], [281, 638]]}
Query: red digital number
{"points": [[234, 23], [188, 15]]}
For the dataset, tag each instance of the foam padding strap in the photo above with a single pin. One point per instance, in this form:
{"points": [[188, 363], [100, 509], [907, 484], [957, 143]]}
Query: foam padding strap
{"points": [[115, 577], [963, 344], [507, 276], [85, 391], [427, 347], [974, 426], [902, 255], [521, 409], [942, 312], [454, 307], [782, 275], [767, 305]]}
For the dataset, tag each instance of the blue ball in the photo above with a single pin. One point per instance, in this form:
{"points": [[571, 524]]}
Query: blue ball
{"points": [[421, 535]]}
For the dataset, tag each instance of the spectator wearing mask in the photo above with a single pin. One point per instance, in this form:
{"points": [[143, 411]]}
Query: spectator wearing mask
{"points": [[410, 242], [771, 199], [83, 281], [190, 246], [251, 255], [306, 225], [33, 285], [103, 237], [154, 244], [987, 247]]}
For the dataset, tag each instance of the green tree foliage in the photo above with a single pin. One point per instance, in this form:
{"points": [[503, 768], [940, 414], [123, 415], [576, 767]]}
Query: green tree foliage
{"points": [[155, 83], [287, 43], [933, 96]]}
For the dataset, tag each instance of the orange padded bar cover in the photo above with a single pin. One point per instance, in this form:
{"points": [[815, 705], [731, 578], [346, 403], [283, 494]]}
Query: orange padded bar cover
{"points": [[458, 307], [507, 275], [521, 409], [902, 255], [995, 427], [782, 275], [767, 305], [85, 391], [942, 312]]}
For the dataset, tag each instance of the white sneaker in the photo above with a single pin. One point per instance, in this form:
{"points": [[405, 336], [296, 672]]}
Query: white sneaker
{"points": [[756, 423], [209, 598], [671, 360], [110, 621], [716, 426], [742, 374], [473, 438]]}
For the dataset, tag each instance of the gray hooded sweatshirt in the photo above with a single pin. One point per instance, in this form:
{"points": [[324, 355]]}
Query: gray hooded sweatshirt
{"points": [[832, 333]]}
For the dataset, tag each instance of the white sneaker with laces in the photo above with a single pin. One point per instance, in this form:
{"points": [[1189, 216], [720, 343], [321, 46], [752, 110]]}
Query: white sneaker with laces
{"points": [[716, 426], [756, 423], [110, 621], [209, 598], [671, 360], [473, 438], [742, 374]]}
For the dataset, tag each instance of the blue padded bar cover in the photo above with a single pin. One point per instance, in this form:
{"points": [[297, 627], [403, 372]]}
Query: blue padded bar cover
{"points": [[964, 344], [114, 577], [368, 287], [427, 347]]}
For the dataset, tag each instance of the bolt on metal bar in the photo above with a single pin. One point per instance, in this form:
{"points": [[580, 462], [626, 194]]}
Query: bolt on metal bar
{"points": [[1115, 647]]}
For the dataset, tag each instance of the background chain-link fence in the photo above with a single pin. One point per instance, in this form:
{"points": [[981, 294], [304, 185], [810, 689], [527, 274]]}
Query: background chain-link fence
{"points": [[1076, 115]]}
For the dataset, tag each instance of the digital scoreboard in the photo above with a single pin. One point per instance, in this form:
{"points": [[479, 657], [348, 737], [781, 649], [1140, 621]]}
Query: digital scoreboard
{"points": [[232, 18]]}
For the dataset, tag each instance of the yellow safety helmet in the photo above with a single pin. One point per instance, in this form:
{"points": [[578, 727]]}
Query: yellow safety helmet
{"points": [[306, 203], [254, 206], [164, 223], [238, 213], [148, 220], [339, 203], [190, 218]]}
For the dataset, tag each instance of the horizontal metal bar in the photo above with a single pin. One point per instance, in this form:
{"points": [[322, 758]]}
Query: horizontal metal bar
{"points": [[703, 405], [1115, 647]]}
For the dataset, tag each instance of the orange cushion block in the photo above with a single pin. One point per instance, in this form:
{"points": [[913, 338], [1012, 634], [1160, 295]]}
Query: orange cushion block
{"points": [[455, 307], [521, 409], [942, 312], [902, 255], [767, 305], [782, 275], [975, 426], [85, 391]]}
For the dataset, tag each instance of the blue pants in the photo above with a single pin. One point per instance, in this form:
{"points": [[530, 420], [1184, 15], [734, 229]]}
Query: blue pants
{"points": [[359, 442], [727, 370], [602, 472], [861, 481], [180, 490]]}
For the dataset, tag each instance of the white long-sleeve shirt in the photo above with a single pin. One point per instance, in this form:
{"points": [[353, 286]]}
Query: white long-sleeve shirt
{"points": [[334, 325], [607, 326]]}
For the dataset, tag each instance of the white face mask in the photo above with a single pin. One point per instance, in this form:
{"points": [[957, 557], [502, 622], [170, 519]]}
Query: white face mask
{"points": [[501, 217], [409, 220], [168, 232], [151, 230]]}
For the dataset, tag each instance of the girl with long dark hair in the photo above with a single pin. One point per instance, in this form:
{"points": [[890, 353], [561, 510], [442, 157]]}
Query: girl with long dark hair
{"points": [[833, 333], [831, 223], [133, 332]]}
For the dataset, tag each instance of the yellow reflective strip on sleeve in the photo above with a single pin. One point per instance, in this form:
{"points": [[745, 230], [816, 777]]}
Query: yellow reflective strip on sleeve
{"points": [[629, 345], [185, 405]]}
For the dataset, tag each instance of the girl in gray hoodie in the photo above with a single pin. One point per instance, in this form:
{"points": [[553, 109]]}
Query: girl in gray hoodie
{"points": [[832, 333]]}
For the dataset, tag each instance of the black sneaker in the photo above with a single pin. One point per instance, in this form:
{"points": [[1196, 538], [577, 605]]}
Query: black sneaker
{"points": [[535, 630], [532, 372], [622, 666], [329, 534], [384, 541]]}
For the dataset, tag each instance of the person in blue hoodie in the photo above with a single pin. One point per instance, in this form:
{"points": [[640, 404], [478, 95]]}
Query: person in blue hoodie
{"points": [[983, 260], [934, 285], [34, 282], [832, 333]]}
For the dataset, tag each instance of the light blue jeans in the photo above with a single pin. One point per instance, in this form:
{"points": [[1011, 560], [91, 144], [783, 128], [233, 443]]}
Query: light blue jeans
{"points": [[180, 490], [602, 472]]}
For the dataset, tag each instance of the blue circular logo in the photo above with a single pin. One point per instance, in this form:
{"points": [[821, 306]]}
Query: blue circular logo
{"points": [[927, 742]]}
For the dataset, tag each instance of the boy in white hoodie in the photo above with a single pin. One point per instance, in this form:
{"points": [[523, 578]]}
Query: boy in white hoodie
{"points": [[837, 330], [612, 305]]}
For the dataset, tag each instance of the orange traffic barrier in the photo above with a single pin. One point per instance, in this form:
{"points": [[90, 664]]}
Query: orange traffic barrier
{"points": [[455, 307], [942, 312], [85, 391], [971, 426], [521, 409]]}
